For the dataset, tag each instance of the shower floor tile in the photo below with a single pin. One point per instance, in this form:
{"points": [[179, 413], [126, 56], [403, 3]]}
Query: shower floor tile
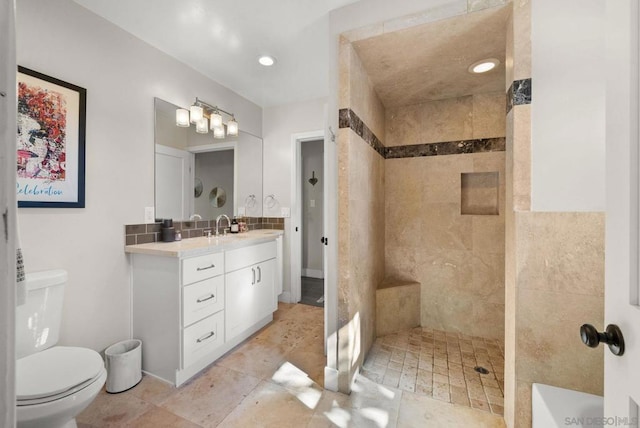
{"points": [[441, 365]]}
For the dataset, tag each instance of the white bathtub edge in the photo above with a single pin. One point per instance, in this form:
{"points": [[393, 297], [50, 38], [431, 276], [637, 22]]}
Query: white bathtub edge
{"points": [[553, 407]]}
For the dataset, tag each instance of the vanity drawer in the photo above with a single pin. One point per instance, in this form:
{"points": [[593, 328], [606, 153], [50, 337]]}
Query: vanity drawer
{"points": [[198, 268], [202, 338], [247, 256], [202, 299]]}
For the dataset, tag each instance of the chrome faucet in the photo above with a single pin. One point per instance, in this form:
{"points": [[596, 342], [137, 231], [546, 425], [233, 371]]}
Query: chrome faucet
{"points": [[220, 217], [195, 217]]}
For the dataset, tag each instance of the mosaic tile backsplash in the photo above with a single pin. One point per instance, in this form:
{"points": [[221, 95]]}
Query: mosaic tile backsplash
{"points": [[145, 233]]}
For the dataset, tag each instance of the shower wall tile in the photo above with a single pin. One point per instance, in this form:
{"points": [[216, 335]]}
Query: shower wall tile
{"points": [[445, 228], [347, 118], [448, 120], [559, 358], [404, 125], [522, 410], [361, 213], [564, 252], [362, 33], [458, 259], [454, 119], [488, 234], [446, 148], [521, 39], [404, 190], [448, 10], [452, 8], [363, 99], [522, 158], [488, 115], [344, 59], [476, 5], [508, 60], [559, 262]]}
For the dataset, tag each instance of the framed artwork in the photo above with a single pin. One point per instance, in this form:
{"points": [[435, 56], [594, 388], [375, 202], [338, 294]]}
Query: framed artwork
{"points": [[51, 142]]}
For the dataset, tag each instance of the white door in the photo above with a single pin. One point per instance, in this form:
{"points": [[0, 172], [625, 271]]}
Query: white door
{"points": [[622, 373], [174, 183]]}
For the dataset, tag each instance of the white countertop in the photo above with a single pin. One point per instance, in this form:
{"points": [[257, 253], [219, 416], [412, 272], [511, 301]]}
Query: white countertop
{"points": [[197, 246]]}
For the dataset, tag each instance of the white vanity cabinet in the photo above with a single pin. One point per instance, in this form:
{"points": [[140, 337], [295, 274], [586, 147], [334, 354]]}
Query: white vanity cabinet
{"points": [[189, 310], [250, 286]]}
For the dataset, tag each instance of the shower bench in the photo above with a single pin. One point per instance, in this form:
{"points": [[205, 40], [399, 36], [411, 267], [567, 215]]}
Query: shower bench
{"points": [[397, 306]]}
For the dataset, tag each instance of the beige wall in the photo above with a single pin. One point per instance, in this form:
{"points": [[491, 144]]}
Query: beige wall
{"points": [[560, 277], [554, 268], [361, 218], [458, 259]]}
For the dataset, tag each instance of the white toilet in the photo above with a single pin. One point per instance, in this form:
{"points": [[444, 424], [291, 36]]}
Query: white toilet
{"points": [[53, 383]]}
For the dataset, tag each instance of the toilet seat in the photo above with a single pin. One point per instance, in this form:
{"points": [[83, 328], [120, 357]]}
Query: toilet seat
{"points": [[55, 373]]}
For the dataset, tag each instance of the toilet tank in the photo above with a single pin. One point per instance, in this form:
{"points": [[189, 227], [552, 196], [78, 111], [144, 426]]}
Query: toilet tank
{"points": [[38, 320]]}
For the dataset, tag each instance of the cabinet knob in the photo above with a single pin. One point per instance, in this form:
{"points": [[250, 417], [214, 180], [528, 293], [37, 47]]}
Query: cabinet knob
{"points": [[612, 336]]}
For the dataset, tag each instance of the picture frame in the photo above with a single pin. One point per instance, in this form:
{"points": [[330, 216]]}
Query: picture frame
{"points": [[50, 142]]}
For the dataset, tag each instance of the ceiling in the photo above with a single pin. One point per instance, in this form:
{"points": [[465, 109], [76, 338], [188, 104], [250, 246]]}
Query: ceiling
{"points": [[430, 61], [223, 41]]}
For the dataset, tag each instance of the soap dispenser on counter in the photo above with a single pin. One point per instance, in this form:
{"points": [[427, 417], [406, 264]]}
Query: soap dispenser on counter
{"points": [[168, 233], [235, 227]]}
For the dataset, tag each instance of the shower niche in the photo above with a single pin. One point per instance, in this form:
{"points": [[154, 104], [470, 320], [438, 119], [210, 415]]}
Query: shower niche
{"points": [[479, 193]]}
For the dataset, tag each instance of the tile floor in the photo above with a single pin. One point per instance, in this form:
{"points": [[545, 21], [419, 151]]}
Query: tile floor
{"points": [[273, 380], [312, 291], [440, 365]]}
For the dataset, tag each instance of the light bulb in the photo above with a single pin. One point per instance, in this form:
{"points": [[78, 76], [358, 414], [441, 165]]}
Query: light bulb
{"points": [[196, 113], [182, 117], [216, 120], [218, 132], [202, 126], [232, 127]]}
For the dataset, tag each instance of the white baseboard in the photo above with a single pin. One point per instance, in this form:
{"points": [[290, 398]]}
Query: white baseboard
{"points": [[285, 297], [313, 273]]}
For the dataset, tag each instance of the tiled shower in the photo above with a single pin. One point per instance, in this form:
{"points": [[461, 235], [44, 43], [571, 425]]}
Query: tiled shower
{"points": [[431, 175]]}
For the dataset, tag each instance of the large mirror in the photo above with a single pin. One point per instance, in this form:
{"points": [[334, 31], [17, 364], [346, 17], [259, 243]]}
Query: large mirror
{"points": [[191, 167]]}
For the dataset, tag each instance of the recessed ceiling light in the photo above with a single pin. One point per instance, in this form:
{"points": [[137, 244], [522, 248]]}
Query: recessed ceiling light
{"points": [[483, 66], [267, 60]]}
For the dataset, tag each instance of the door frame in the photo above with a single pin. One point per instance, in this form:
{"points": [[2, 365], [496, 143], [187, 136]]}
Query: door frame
{"points": [[217, 147], [188, 175], [8, 232], [295, 257]]}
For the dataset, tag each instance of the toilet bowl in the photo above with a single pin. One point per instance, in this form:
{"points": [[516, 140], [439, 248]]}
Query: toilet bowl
{"points": [[53, 383]]}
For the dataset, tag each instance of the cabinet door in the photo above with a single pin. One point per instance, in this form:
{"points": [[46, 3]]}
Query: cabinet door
{"points": [[264, 289], [239, 301]]}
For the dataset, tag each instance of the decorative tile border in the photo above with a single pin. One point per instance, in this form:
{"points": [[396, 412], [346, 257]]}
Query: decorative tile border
{"points": [[447, 148], [145, 233], [519, 93], [347, 118]]}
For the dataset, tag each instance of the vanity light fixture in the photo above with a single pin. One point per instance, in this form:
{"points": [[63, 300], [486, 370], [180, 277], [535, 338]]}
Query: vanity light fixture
{"points": [[267, 60], [218, 132], [203, 115], [483, 66]]}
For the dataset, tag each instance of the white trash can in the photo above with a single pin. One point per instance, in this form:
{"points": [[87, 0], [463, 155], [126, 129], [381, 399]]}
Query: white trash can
{"points": [[124, 365]]}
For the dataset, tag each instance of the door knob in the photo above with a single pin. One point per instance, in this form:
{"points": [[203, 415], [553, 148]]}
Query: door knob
{"points": [[612, 336]]}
